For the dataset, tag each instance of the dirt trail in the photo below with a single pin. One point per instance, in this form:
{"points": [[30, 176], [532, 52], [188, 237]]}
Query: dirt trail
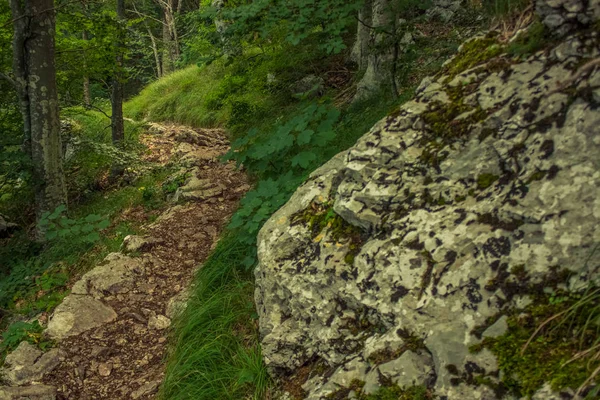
{"points": [[124, 358]]}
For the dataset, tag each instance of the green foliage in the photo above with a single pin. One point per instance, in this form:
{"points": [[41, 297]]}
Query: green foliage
{"points": [[18, 332], [57, 226], [290, 145], [294, 21]]}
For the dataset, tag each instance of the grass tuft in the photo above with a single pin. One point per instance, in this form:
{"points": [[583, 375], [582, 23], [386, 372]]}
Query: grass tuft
{"points": [[216, 353]]}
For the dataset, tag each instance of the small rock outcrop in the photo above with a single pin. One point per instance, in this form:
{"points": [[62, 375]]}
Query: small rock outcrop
{"points": [[27, 364], [474, 195], [6, 227], [563, 16]]}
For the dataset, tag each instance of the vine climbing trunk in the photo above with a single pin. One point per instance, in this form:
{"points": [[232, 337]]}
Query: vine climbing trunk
{"points": [[118, 127], [35, 76]]}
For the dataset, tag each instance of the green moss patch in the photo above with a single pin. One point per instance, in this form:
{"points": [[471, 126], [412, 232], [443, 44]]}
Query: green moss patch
{"points": [[319, 217], [484, 181], [473, 53], [553, 340]]}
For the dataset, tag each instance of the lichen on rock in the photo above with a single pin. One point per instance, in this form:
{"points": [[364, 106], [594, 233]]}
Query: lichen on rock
{"points": [[477, 195]]}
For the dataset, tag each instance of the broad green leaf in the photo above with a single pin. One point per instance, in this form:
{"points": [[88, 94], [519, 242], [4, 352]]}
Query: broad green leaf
{"points": [[304, 159]]}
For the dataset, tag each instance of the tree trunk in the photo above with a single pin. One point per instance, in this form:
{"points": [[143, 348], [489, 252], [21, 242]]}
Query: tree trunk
{"points": [[118, 128], [382, 52], [170, 37], [360, 51], [155, 52], [87, 97], [34, 68], [229, 48]]}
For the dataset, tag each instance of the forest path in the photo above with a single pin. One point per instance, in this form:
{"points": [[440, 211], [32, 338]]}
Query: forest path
{"points": [[112, 330]]}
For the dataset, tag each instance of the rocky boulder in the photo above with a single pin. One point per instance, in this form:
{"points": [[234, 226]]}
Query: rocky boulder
{"points": [[481, 191], [563, 16]]}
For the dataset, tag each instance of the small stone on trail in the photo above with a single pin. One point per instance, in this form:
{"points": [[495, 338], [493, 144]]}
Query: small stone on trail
{"points": [[159, 322], [104, 369]]}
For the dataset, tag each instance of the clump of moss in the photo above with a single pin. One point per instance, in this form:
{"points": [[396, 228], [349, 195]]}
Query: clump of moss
{"points": [[542, 341], [484, 181], [473, 53], [321, 216], [530, 41]]}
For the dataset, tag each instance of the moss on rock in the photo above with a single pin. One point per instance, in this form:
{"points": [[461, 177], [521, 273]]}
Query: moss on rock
{"points": [[547, 342]]}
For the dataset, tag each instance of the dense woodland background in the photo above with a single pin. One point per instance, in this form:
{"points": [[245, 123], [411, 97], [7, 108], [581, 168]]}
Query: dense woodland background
{"points": [[294, 82]]}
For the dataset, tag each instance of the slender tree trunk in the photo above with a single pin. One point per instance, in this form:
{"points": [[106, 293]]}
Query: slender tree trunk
{"points": [[229, 49], [118, 127], [87, 97], [360, 51], [20, 36], [156, 53], [381, 57], [170, 36], [34, 68]]}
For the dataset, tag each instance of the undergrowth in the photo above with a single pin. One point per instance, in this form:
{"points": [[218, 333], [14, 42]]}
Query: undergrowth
{"points": [[215, 347]]}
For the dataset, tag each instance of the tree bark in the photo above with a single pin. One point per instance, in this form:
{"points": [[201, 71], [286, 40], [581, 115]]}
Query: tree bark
{"points": [[381, 52], [159, 73], [34, 68], [87, 97], [170, 36], [360, 51], [229, 48], [118, 127]]}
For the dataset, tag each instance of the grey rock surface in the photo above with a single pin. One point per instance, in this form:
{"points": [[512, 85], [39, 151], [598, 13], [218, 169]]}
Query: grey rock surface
{"points": [[442, 214], [564, 16], [27, 364], [77, 314], [33, 392]]}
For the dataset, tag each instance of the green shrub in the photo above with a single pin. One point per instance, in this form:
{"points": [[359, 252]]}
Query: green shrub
{"points": [[18, 332]]}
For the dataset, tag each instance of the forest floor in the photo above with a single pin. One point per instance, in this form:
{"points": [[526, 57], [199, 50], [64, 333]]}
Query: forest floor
{"points": [[124, 358]]}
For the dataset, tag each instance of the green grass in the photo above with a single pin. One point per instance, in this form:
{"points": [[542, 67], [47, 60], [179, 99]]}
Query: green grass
{"points": [[180, 98], [216, 353]]}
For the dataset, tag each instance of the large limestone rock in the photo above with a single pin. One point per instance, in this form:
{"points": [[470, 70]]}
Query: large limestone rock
{"points": [[78, 314], [116, 274], [454, 208]]}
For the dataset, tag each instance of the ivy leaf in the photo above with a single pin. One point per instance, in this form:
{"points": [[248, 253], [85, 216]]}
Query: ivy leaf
{"points": [[303, 159], [304, 137]]}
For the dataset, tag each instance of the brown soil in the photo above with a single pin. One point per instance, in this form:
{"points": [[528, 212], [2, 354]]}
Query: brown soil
{"points": [[125, 359]]}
